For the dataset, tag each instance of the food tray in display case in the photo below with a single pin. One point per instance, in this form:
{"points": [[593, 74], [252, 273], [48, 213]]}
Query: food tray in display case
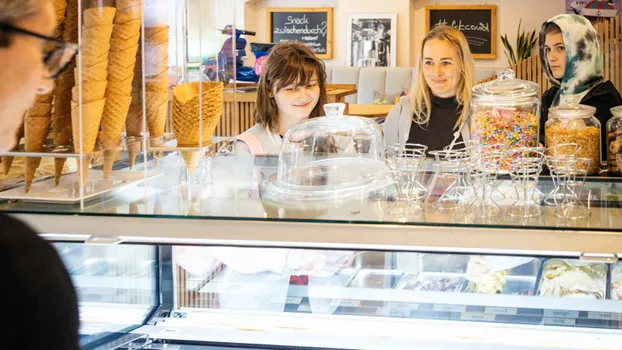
{"points": [[432, 282], [375, 278], [567, 278], [520, 280], [615, 281], [68, 190]]}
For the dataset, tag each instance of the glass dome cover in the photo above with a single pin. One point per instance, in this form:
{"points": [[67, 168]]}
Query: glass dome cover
{"points": [[330, 158], [505, 88]]}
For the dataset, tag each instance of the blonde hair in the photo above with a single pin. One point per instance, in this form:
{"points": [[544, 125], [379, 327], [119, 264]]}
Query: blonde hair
{"points": [[420, 101], [288, 63]]}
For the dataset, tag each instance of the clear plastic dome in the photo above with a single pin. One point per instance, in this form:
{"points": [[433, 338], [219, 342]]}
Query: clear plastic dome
{"points": [[330, 158]]}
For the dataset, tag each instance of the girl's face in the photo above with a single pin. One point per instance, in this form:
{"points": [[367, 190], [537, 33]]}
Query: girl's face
{"points": [[297, 102], [555, 54], [441, 68]]}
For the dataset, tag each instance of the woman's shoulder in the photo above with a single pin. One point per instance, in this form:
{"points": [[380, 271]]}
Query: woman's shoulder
{"points": [[604, 91]]}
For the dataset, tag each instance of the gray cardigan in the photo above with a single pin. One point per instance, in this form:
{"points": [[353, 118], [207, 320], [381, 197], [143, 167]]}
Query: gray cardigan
{"points": [[398, 122]]}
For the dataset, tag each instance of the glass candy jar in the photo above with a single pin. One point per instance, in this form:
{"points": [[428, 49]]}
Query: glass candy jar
{"points": [[576, 124], [614, 140], [505, 114]]}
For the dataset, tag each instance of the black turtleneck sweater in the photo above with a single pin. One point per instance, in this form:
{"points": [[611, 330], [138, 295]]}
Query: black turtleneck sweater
{"points": [[439, 131]]}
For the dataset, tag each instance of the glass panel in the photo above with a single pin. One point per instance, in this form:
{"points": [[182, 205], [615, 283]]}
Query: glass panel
{"points": [[515, 290], [116, 285], [230, 187]]}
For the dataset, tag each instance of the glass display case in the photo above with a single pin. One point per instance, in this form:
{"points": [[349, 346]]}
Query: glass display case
{"points": [[173, 241]]}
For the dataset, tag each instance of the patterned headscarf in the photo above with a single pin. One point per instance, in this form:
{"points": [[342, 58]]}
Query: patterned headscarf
{"points": [[583, 67]]}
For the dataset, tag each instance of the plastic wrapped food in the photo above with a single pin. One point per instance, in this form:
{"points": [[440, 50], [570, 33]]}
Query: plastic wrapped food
{"points": [[574, 279], [615, 291], [436, 284]]}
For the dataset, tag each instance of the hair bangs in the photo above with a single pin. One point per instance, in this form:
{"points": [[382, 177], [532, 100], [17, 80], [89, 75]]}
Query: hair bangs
{"points": [[298, 72]]}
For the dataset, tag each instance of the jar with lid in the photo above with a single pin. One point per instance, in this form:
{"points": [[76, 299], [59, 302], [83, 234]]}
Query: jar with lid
{"points": [[614, 139], [505, 113], [575, 124]]}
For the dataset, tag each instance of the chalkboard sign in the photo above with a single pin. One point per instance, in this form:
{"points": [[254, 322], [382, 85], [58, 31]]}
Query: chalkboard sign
{"points": [[312, 26], [477, 22]]}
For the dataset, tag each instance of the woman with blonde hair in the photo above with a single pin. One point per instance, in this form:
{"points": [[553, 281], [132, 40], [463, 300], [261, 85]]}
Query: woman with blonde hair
{"points": [[437, 106]]}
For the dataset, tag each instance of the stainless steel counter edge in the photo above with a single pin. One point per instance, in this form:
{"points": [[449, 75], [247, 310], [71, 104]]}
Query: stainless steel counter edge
{"points": [[325, 235]]}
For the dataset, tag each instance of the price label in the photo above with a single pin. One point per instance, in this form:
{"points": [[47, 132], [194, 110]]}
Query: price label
{"points": [[393, 312], [559, 321], [502, 311], [561, 313], [304, 308], [471, 316], [449, 308], [351, 303], [609, 316], [292, 300]]}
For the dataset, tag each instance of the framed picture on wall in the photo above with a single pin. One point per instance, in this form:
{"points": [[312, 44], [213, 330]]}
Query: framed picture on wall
{"points": [[372, 40]]}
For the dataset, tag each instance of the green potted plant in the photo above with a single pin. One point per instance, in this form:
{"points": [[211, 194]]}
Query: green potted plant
{"points": [[524, 44]]}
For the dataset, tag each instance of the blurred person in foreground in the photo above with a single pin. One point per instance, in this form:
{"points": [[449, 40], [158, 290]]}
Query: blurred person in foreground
{"points": [[40, 301]]}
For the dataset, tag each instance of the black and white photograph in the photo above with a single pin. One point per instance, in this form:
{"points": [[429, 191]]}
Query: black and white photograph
{"points": [[372, 40]]}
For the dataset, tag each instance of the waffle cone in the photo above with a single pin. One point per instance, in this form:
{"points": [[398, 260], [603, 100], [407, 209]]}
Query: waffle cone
{"points": [[7, 161], [191, 159], [126, 30], [96, 73], [93, 54], [152, 69], [110, 155], [156, 53], [113, 120], [94, 37], [117, 44], [157, 106], [123, 59], [128, 14], [132, 151], [120, 88], [91, 117], [98, 3], [36, 130], [186, 125], [59, 164], [123, 4], [60, 5], [120, 73], [157, 85], [46, 98], [90, 91], [90, 59], [83, 170], [156, 35], [39, 110], [98, 16]]}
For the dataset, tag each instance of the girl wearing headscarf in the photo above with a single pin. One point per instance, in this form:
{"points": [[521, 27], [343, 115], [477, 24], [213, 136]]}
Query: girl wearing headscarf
{"points": [[570, 57]]}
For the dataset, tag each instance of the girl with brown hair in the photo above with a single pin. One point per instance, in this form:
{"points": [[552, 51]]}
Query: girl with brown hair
{"points": [[292, 88]]}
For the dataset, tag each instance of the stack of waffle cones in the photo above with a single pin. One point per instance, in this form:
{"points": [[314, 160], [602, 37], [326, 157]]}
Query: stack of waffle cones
{"points": [[85, 119], [38, 118], [122, 61], [156, 80], [7, 161], [189, 130], [61, 118]]}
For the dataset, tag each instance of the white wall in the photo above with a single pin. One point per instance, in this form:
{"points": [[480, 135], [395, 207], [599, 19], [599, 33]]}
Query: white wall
{"points": [[411, 22], [255, 19]]}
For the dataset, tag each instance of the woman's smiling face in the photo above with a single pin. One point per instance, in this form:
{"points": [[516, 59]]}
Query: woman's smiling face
{"points": [[297, 102], [441, 68]]}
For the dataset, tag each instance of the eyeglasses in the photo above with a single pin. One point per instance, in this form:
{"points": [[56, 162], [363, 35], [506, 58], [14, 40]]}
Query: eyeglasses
{"points": [[57, 54]]}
